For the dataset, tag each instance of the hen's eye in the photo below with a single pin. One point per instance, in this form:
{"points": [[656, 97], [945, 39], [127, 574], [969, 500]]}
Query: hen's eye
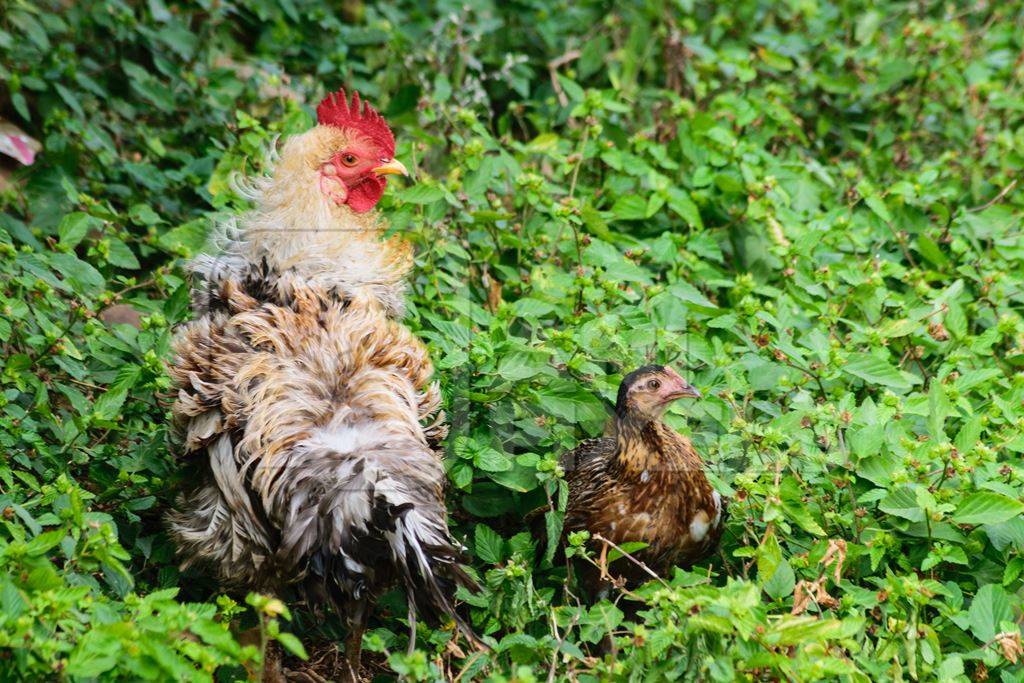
{"points": [[348, 159], [653, 384]]}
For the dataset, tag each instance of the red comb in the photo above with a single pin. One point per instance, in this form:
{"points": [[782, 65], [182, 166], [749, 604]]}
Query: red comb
{"points": [[335, 110]]}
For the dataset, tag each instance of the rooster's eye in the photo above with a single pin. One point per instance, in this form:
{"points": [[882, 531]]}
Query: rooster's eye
{"points": [[653, 384], [348, 159]]}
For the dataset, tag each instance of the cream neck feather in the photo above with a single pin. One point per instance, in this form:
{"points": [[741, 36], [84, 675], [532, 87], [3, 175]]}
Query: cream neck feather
{"points": [[304, 236]]}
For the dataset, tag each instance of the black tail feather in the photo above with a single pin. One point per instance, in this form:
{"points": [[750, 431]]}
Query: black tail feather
{"points": [[432, 573], [370, 561]]}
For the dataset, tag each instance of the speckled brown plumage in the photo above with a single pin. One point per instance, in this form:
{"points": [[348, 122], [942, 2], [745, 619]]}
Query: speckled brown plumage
{"points": [[646, 483]]}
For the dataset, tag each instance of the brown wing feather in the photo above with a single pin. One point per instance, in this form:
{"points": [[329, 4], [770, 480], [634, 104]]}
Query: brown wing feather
{"points": [[587, 450]]}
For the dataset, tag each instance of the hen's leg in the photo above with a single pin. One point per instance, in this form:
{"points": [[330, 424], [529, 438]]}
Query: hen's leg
{"points": [[354, 643], [603, 563]]}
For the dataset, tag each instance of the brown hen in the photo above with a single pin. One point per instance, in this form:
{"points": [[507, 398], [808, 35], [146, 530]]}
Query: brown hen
{"points": [[645, 483]]}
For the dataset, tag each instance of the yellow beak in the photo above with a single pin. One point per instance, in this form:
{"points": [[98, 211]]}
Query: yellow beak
{"points": [[393, 167]]}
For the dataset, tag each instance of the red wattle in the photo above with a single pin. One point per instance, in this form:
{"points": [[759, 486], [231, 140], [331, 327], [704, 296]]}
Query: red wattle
{"points": [[366, 194]]}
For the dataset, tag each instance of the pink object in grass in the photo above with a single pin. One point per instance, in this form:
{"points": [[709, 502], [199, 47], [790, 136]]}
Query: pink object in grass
{"points": [[16, 143]]}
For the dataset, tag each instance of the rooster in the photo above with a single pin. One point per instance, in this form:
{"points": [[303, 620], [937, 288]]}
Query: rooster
{"points": [[646, 483], [304, 405]]}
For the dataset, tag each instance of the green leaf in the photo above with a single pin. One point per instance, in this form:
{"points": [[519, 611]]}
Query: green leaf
{"points": [[292, 644], [601, 619], [11, 600], [461, 474], [569, 402], [491, 460], [781, 582], [968, 436], [867, 441], [143, 214], [517, 477], [74, 227], [523, 364], [769, 557], [898, 328], [489, 545], [120, 255], [442, 88], [796, 508], [874, 370], [44, 542], [630, 547], [187, 239], [928, 248], [177, 303], [80, 276], [679, 201], [149, 87], [97, 652], [990, 606], [517, 640], [939, 408], [109, 403], [572, 89], [531, 308], [630, 207], [21, 106], [553, 525], [801, 630], [877, 204], [545, 142], [987, 507], [691, 295], [421, 194], [903, 502]]}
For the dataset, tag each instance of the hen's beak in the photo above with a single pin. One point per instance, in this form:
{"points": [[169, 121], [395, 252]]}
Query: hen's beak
{"points": [[678, 387], [393, 167]]}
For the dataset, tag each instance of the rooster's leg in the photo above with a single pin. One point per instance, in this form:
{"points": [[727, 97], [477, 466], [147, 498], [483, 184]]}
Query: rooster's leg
{"points": [[272, 672], [354, 643]]}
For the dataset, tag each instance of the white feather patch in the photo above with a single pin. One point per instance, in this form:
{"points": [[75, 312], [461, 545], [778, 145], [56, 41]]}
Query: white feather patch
{"points": [[351, 438], [699, 526]]}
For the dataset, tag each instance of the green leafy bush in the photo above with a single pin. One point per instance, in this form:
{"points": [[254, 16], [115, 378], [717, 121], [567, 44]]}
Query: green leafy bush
{"points": [[815, 208]]}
